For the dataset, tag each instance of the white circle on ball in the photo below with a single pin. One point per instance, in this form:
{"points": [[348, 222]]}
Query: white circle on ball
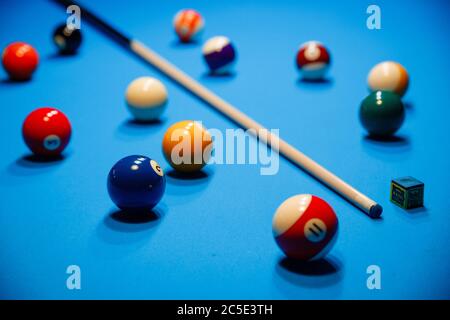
{"points": [[312, 51], [315, 230], [155, 166], [289, 212], [146, 98], [52, 142]]}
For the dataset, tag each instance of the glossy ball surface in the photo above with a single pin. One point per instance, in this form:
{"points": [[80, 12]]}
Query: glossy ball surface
{"points": [[313, 60], [67, 40], [187, 146], [46, 131], [188, 25], [382, 113], [388, 76], [146, 98], [20, 60], [219, 54], [305, 227], [136, 183]]}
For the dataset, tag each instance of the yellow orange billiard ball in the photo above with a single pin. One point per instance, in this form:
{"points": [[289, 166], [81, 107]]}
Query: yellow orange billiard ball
{"points": [[187, 146], [388, 76]]}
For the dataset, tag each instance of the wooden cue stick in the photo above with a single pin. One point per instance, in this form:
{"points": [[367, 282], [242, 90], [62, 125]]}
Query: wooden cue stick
{"points": [[354, 196]]}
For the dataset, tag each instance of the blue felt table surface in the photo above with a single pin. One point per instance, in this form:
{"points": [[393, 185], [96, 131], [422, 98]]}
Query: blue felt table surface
{"points": [[213, 238]]}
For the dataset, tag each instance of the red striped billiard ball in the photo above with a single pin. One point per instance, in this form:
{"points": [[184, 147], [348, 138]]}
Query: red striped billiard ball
{"points": [[305, 227], [313, 60], [20, 60], [46, 131]]}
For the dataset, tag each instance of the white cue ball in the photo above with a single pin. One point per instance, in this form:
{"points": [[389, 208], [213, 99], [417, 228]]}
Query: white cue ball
{"points": [[146, 98]]}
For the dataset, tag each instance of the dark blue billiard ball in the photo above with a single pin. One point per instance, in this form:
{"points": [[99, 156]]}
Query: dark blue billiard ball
{"points": [[136, 183]]}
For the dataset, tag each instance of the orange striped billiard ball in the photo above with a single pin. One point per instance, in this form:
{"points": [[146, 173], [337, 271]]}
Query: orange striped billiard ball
{"points": [[389, 76], [187, 146], [188, 25]]}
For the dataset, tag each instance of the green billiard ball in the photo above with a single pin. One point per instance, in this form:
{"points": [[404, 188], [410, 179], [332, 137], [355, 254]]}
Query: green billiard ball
{"points": [[382, 113]]}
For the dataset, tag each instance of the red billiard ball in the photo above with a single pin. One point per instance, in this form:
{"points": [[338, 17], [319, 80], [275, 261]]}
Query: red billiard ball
{"points": [[46, 131], [305, 227], [20, 60], [313, 60]]}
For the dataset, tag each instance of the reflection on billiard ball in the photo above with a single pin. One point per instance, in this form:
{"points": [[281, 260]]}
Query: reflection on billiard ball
{"points": [[146, 98], [46, 131], [20, 60], [219, 54], [305, 227], [188, 25], [136, 183], [382, 113], [67, 40], [187, 146], [313, 60], [388, 76]]}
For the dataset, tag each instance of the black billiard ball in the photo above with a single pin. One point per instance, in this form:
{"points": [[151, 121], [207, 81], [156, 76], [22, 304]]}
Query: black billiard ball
{"points": [[67, 40]]}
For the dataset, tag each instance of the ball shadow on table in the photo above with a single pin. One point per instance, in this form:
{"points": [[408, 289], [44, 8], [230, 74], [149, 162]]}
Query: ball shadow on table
{"points": [[395, 147], [177, 43], [125, 232], [122, 222], [62, 55], [129, 221], [413, 214], [324, 83], [320, 273], [133, 127], [32, 164], [409, 106], [392, 141], [12, 82], [182, 187], [218, 77]]}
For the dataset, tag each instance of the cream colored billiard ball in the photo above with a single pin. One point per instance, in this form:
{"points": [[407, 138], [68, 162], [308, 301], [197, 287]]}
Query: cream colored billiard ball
{"points": [[146, 98]]}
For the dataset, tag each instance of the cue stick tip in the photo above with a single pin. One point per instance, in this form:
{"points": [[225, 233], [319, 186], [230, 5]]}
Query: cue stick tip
{"points": [[375, 211]]}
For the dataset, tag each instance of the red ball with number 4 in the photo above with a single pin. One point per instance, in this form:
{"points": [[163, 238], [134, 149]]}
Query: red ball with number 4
{"points": [[46, 131]]}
